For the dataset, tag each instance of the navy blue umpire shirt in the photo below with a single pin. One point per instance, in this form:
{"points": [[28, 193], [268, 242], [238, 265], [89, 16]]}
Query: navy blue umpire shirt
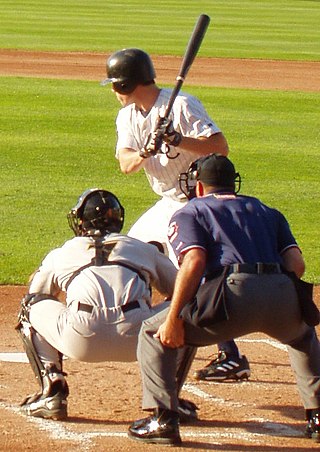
{"points": [[231, 229]]}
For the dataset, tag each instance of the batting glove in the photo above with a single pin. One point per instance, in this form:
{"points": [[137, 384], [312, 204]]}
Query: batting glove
{"points": [[170, 136], [152, 145]]}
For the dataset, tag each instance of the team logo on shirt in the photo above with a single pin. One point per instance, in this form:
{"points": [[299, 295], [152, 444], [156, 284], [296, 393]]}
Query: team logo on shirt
{"points": [[172, 231]]}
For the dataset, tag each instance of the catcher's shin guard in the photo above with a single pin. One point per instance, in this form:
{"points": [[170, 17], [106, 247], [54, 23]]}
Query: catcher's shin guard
{"points": [[26, 332], [50, 402]]}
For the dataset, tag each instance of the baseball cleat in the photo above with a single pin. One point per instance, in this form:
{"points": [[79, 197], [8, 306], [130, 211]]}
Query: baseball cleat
{"points": [[160, 428], [54, 407], [187, 411], [313, 426], [50, 404], [225, 367]]}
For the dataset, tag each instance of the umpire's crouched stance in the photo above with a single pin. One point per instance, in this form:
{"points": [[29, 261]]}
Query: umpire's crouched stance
{"points": [[247, 253]]}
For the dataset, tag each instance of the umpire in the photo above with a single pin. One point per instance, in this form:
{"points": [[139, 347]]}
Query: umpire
{"points": [[246, 251]]}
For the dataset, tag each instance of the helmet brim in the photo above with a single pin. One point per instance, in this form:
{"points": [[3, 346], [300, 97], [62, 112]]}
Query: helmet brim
{"points": [[106, 81]]}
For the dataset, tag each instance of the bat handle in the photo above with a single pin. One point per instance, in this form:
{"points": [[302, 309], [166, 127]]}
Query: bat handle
{"points": [[173, 96]]}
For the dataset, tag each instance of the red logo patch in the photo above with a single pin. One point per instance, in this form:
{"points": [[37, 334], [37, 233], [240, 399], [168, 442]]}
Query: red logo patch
{"points": [[172, 231]]}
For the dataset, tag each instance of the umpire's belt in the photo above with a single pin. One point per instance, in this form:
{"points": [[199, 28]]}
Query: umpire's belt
{"points": [[258, 268], [125, 307]]}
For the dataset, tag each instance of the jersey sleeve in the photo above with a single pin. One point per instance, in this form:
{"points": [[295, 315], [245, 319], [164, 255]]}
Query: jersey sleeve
{"points": [[43, 280], [126, 138], [185, 232], [286, 239], [191, 118]]}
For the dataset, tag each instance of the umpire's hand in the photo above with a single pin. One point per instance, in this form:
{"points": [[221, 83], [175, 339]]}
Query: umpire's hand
{"points": [[171, 333]]}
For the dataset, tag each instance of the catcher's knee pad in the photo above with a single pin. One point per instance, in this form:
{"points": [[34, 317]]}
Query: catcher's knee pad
{"points": [[29, 300]]}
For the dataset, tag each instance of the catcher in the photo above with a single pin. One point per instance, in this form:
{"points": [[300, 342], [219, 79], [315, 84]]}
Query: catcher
{"points": [[106, 278]]}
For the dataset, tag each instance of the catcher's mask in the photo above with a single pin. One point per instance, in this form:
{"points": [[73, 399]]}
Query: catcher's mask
{"points": [[213, 169], [128, 68], [97, 212]]}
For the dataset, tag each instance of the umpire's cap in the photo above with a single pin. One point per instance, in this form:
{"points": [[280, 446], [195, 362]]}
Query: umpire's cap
{"points": [[217, 170]]}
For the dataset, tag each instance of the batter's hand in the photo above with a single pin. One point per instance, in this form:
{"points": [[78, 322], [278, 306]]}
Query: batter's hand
{"points": [[152, 145], [169, 135], [171, 334]]}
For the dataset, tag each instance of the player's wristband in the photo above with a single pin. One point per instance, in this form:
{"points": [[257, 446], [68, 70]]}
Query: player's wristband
{"points": [[177, 139], [144, 154], [174, 139]]}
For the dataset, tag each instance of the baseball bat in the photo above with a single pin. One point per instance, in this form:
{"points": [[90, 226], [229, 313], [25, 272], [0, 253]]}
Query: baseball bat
{"points": [[189, 56]]}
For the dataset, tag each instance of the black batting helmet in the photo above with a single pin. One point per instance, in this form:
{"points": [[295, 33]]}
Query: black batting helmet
{"points": [[97, 212], [128, 68]]}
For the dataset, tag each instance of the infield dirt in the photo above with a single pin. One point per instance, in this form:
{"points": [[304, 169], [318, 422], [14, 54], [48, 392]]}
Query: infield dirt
{"points": [[263, 414]]}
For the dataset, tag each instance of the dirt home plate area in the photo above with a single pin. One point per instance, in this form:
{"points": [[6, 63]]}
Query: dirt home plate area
{"points": [[263, 414]]}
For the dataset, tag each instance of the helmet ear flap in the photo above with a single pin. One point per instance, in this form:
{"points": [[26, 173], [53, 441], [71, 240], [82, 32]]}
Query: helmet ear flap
{"points": [[124, 87]]}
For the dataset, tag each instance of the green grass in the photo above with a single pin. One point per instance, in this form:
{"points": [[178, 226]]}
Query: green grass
{"points": [[58, 138], [277, 29]]}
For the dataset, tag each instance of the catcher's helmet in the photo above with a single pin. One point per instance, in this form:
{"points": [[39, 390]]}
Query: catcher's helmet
{"points": [[213, 169], [128, 68], [97, 212]]}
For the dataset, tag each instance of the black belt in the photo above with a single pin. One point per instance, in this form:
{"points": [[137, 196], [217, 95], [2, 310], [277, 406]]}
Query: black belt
{"points": [[125, 307], [258, 268], [129, 306]]}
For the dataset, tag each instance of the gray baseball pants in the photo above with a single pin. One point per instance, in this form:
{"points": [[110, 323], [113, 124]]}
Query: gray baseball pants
{"points": [[264, 303]]}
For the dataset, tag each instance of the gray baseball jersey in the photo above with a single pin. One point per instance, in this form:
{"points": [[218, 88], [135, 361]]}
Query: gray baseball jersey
{"points": [[93, 325]]}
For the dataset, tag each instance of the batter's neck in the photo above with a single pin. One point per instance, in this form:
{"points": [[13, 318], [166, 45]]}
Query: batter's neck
{"points": [[145, 97]]}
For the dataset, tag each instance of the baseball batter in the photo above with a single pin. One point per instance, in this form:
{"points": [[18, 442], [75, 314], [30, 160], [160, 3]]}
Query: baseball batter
{"points": [[189, 134], [107, 279]]}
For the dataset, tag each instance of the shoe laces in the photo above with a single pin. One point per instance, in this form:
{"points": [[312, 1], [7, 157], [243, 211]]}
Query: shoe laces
{"points": [[218, 357]]}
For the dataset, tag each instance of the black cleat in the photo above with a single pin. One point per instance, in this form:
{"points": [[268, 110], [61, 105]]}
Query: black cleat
{"points": [[187, 411], [49, 404], [160, 428], [313, 426], [225, 367], [54, 407]]}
